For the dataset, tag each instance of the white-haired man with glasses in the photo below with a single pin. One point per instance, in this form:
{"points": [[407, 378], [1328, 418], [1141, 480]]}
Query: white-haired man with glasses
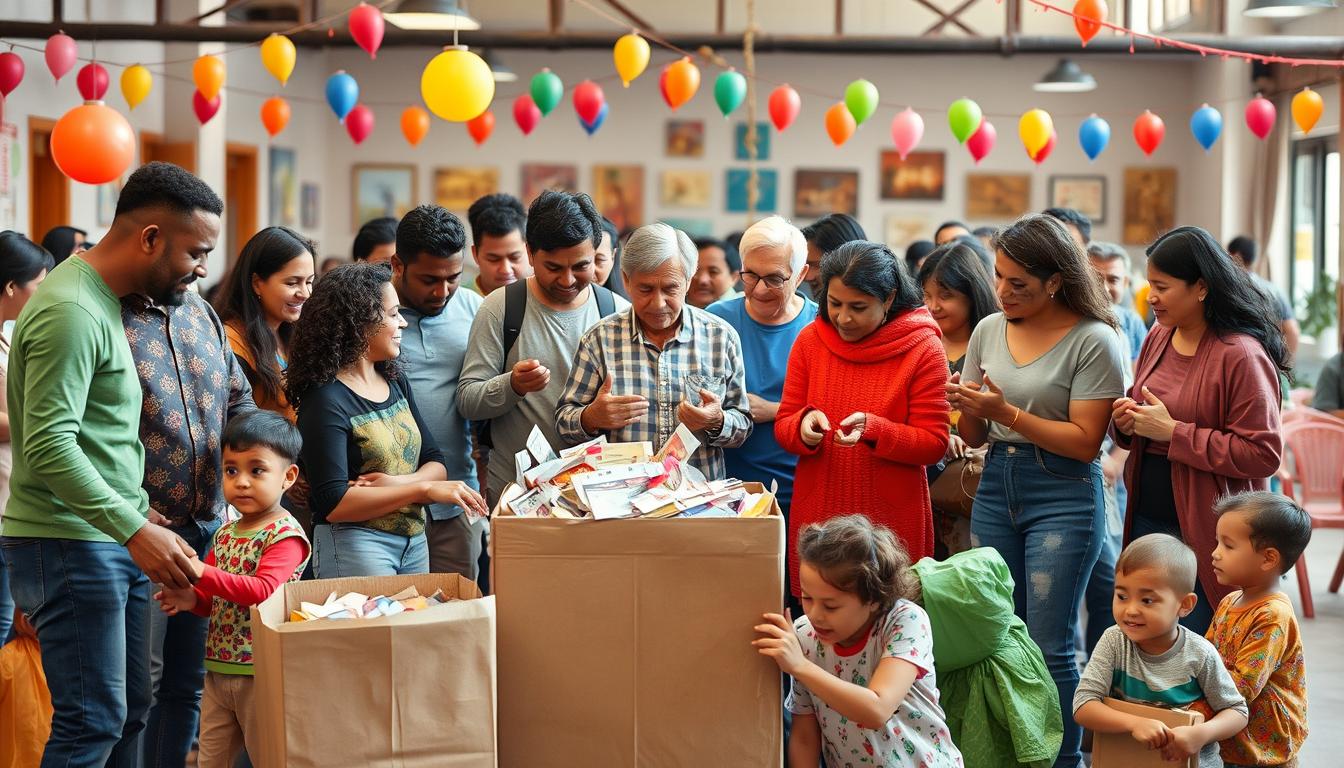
{"points": [[768, 316]]}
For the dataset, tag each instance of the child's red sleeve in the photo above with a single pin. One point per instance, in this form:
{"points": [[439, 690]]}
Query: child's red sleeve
{"points": [[277, 565]]}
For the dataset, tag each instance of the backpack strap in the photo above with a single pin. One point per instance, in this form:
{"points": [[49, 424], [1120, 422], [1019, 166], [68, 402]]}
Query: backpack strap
{"points": [[515, 306], [606, 300]]}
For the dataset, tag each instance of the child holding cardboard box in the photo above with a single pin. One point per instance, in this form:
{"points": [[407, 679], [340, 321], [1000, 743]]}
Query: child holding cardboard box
{"points": [[1149, 658], [249, 560], [1260, 537], [861, 659]]}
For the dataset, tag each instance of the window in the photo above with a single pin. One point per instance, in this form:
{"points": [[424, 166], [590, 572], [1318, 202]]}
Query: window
{"points": [[1314, 208], [1163, 16]]}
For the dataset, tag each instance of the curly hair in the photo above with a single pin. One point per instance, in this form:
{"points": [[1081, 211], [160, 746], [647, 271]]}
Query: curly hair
{"points": [[856, 556], [334, 329]]}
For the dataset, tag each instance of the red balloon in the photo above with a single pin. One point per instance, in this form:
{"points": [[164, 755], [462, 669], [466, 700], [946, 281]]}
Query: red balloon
{"points": [[784, 106], [92, 81], [982, 141], [662, 85], [526, 113], [588, 100], [366, 26], [93, 144], [61, 53], [1087, 18], [205, 109], [11, 72], [1148, 132], [359, 123], [1260, 116], [275, 115], [481, 126], [1049, 147]]}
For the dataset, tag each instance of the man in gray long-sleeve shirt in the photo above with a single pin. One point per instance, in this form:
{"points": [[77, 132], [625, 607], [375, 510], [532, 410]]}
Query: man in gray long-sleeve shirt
{"points": [[517, 388]]}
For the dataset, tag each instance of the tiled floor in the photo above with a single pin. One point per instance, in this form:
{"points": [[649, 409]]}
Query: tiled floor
{"points": [[1323, 638]]}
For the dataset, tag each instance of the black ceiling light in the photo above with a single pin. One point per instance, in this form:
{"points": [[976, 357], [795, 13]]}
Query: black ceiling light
{"points": [[1066, 77]]}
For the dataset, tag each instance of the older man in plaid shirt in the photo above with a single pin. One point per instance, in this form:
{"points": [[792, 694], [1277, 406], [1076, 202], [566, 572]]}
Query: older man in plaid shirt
{"points": [[637, 374]]}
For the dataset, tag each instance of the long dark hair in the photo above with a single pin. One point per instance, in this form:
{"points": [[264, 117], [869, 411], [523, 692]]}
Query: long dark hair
{"points": [[960, 266], [832, 231], [21, 260], [615, 283], [266, 253], [1234, 304], [1045, 248], [872, 269], [333, 331], [60, 242]]}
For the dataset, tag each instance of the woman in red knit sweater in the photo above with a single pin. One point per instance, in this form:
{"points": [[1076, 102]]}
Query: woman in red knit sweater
{"points": [[864, 405]]}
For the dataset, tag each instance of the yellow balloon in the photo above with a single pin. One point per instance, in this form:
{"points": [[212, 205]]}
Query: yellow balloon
{"points": [[135, 84], [277, 54], [457, 85], [632, 56], [1035, 128], [1307, 109]]}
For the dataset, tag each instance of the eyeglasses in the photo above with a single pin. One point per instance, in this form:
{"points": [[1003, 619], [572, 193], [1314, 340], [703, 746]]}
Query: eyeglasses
{"points": [[774, 282]]}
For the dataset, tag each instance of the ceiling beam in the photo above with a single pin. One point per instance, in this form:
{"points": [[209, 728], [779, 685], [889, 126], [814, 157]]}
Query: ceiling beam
{"points": [[630, 15], [555, 17]]}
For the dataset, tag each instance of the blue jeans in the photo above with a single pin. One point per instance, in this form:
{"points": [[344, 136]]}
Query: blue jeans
{"points": [[90, 605], [6, 601], [177, 669], [1044, 513], [343, 549]]}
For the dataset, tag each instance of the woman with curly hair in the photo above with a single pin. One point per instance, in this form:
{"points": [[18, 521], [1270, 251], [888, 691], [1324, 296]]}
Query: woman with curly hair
{"points": [[372, 465]]}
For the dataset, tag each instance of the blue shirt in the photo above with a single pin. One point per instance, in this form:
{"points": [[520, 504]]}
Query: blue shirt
{"points": [[1135, 329], [765, 353], [432, 350]]}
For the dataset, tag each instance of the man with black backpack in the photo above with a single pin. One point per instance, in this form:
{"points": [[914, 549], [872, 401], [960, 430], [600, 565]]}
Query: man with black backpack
{"points": [[524, 336]]}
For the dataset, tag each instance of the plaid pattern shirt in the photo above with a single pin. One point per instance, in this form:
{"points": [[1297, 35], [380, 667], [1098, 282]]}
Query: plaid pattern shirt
{"points": [[192, 385], [616, 348]]}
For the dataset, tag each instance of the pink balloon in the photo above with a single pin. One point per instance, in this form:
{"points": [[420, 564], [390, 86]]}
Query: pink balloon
{"points": [[982, 141], [205, 109], [366, 27], [61, 54], [1260, 116], [588, 100], [92, 81], [11, 72], [907, 128], [526, 113], [359, 123]]}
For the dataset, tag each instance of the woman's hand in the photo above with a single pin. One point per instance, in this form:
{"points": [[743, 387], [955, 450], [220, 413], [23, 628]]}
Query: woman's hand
{"points": [[851, 429], [1122, 415], [459, 493], [379, 480], [813, 428], [988, 404], [956, 448], [1152, 420], [780, 643]]}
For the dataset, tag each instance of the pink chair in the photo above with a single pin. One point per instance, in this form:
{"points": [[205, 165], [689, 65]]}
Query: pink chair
{"points": [[1301, 397], [1307, 413], [1316, 448]]}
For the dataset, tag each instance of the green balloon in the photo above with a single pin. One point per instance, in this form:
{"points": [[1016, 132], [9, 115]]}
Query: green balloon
{"points": [[964, 117], [861, 100], [730, 88], [547, 90]]}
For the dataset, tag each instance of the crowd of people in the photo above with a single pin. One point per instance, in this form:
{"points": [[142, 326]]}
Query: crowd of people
{"points": [[363, 421]]}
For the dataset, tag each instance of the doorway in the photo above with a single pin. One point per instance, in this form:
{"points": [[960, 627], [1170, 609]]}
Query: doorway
{"points": [[49, 189], [181, 153], [240, 197]]}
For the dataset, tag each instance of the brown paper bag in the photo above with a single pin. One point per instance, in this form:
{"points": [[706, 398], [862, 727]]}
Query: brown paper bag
{"points": [[628, 642], [412, 690], [1120, 750]]}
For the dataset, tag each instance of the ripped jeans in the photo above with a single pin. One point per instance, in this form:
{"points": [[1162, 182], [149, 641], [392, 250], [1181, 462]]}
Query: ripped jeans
{"points": [[1045, 514]]}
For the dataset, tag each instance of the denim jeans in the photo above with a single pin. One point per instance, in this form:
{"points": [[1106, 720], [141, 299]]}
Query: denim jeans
{"points": [[1100, 594], [177, 669], [6, 601], [1044, 513], [342, 549], [90, 605]]}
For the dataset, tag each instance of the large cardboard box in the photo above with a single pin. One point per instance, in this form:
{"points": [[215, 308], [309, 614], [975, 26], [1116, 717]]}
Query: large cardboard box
{"points": [[627, 643], [1120, 750], [416, 689]]}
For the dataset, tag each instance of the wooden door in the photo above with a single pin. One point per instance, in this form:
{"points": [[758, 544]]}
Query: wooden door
{"points": [[48, 188], [240, 196], [153, 147]]}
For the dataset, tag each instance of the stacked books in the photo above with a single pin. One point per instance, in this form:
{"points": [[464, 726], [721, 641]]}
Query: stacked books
{"points": [[353, 605], [601, 481]]}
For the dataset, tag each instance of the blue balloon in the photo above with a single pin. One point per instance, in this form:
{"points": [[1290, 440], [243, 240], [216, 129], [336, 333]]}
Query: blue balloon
{"points": [[1094, 134], [342, 94], [1207, 125], [592, 127]]}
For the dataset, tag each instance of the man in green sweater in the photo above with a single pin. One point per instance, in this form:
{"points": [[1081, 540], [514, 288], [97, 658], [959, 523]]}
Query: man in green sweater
{"points": [[80, 549]]}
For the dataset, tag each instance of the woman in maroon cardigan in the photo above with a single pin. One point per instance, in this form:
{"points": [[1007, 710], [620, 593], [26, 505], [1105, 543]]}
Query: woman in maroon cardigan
{"points": [[1202, 419]]}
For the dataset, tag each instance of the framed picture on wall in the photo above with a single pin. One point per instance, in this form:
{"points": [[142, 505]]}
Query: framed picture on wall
{"points": [[918, 177], [1150, 203], [457, 188], [997, 196], [762, 141], [1085, 194], [308, 217], [618, 192], [538, 177], [685, 189], [691, 226], [107, 202], [284, 188], [382, 189], [818, 193], [685, 138], [900, 230], [767, 189]]}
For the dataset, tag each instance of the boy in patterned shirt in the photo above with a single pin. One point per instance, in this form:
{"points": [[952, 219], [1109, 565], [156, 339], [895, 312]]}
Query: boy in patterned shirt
{"points": [[248, 561], [1260, 537]]}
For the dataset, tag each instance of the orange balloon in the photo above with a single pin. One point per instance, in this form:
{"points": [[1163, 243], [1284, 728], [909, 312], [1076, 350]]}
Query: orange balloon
{"points": [[683, 80], [93, 143], [414, 124], [1087, 18], [840, 123], [275, 115], [481, 126], [208, 73]]}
